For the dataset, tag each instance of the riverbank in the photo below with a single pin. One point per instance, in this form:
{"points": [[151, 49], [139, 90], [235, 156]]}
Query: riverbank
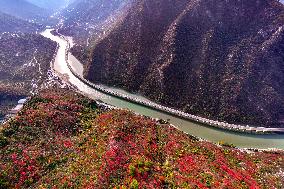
{"points": [[171, 111], [208, 133], [14, 111]]}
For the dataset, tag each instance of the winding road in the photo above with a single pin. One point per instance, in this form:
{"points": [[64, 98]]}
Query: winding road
{"points": [[244, 140]]}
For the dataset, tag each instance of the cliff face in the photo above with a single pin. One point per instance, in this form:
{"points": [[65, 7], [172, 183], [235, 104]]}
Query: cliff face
{"points": [[218, 59]]}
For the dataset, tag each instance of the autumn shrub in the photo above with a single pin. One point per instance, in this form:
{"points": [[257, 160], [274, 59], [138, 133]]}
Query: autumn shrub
{"points": [[63, 140]]}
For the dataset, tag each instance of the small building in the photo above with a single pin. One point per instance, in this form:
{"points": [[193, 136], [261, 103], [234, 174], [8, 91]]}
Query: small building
{"points": [[22, 101]]}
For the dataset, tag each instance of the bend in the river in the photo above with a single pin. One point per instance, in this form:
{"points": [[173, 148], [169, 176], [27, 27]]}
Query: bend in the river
{"points": [[244, 140]]}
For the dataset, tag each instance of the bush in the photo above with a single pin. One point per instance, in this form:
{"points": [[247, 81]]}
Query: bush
{"points": [[3, 141], [134, 184], [35, 100], [222, 143], [7, 132], [3, 183], [162, 121]]}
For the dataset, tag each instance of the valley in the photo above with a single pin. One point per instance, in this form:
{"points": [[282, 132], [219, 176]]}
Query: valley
{"points": [[212, 59], [211, 134], [81, 49], [163, 94], [92, 25]]}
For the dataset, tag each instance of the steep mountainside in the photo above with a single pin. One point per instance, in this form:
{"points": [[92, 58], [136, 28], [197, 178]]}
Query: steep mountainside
{"points": [[24, 66], [85, 17], [218, 59], [52, 5], [23, 10], [25, 58], [12, 24]]}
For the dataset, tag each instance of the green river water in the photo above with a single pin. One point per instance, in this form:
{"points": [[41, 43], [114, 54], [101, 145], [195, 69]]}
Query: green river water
{"points": [[243, 140]]}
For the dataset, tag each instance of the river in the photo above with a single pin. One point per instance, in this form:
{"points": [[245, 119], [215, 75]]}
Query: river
{"points": [[242, 140]]}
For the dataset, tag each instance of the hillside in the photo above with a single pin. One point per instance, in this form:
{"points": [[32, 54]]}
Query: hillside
{"points": [[25, 58], [24, 10], [217, 59], [61, 139], [52, 5], [85, 17], [12, 24], [24, 66]]}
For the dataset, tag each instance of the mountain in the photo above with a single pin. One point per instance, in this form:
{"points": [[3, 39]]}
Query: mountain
{"points": [[52, 5], [222, 60], [25, 58], [61, 139], [24, 65], [12, 24], [24, 10], [85, 17]]}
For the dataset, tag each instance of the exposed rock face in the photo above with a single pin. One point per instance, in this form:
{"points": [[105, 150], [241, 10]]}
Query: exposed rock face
{"points": [[219, 59]]}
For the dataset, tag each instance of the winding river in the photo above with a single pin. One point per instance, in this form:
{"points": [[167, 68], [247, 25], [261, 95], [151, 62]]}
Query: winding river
{"points": [[243, 140]]}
